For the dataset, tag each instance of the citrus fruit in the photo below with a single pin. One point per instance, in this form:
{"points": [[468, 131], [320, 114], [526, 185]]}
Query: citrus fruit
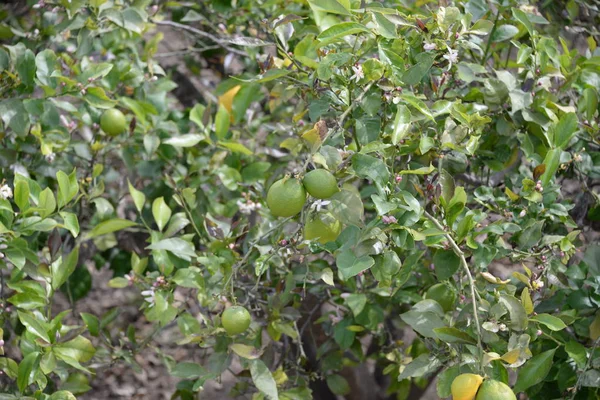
{"points": [[235, 320], [324, 229], [320, 183], [286, 197], [495, 390], [113, 122], [464, 387], [443, 294]]}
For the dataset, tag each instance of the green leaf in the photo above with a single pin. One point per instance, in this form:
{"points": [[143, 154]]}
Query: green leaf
{"points": [[70, 222], [341, 30], [179, 247], [62, 395], [138, 197], [534, 371], [222, 121], [417, 72], [61, 273], [565, 130], [15, 116], [446, 264], [504, 32], [453, 335], [263, 380], [401, 124], [551, 161], [161, 212], [235, 147], [518, 316], [22, 195], [34, 326], [522, 18], [96, 97], [27, 368], [47, 203], [356, 302], [330, 6], [552, 322], [67, 187], [26, 68], [79, 349], [349, 265], [418, 104], [187, 140], [112, 225], [531, 234], [424, 317], [444, 381], [92, 323], [372, 168], [45, 62], [577, 352], [421, 366], [338, 384]]}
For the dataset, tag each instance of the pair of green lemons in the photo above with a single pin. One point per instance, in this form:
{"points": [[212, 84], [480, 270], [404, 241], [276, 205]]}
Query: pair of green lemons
{"points": [[474, 387], [287, 196]]}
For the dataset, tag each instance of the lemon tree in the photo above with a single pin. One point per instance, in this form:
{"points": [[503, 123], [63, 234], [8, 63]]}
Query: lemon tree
{"points": [[421, 177]]}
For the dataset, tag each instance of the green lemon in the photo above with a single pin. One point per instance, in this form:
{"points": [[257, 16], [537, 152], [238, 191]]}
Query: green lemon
{"points": [[443, 294], [286, 197], [320, 183], [495, 390], [324, 229], [235, 320], [113, 122]]}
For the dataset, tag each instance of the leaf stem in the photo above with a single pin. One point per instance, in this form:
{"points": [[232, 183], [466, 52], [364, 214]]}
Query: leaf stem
{"points": [[489, 43], [465, 266]]}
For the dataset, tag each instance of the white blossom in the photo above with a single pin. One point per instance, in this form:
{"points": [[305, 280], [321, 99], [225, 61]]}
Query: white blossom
{"points": [[5, 192], [452, 57], [50, 157], [248, 206], [358, 73], [319, 204], [149, 296], [429, 46]]}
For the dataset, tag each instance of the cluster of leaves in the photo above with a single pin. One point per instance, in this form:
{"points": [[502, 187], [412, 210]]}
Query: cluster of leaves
{"points": [[462, 138]]}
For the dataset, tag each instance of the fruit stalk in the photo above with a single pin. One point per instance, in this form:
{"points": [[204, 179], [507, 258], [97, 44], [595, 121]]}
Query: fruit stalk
{"points": [[465, 266]]}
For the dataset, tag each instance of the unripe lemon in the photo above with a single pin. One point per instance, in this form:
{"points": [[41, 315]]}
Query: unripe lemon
{"points": [[235, 320], [443, 294], [324, 230], [113, 122], [495, 390], [286, 197], [464, 387], [320, 183]]}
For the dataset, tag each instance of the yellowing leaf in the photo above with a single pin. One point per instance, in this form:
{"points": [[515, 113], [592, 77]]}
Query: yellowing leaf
{"points": [[226, 99], [512, 356], [492, 279], [526, 300], [511, 195], [312, 138]]}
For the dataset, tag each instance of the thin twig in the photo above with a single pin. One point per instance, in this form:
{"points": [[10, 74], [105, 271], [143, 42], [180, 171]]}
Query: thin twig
{"points": [[186, 51], [489, 43], [465, 266], [587, 366], [221, 42], [354, 104]]}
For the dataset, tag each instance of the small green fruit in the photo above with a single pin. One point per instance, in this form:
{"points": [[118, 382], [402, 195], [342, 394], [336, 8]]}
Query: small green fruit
{"points": [[320, 183], [286, 197], [235, 320], [495, 390], [113, 122]]}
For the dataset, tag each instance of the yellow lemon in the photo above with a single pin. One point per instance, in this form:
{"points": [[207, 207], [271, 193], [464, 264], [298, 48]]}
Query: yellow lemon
{"points": [[465, 386]]}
